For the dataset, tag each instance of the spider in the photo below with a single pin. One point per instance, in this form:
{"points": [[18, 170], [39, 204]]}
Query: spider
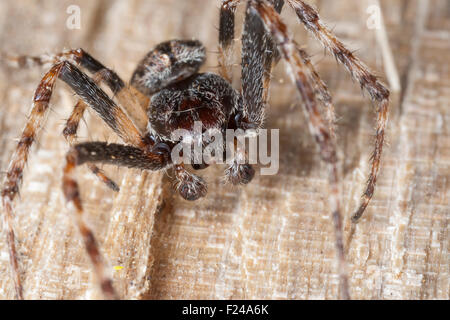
{"points": [[166, 93]]}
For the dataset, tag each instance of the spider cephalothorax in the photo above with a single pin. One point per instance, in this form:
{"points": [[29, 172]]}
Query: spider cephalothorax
{"points": [[166, 93], [205, 97]]}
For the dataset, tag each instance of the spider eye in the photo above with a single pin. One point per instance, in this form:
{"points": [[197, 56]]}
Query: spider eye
{"points": [[167, 63]]}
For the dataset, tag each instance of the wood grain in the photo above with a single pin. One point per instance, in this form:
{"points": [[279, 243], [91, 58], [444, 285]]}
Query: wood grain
{"points": [[272, 239]]}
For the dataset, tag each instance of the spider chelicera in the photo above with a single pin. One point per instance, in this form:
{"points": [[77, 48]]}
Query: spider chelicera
{"points": [[166, 93]]}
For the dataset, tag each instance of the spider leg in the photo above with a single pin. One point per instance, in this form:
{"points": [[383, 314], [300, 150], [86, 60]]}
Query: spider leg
{"points": [[126, 96], [70, 134], [95, 98], [26, 61], [290, 53], [98, 100], [226, 38], [120, 155], [269, 57], [15, 170], [272, 55], [321, 90], [360, 72], [129, 98], [259, 54], [78, 57]]}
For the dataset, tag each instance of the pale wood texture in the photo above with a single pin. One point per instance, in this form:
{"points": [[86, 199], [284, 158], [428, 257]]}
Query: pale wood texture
{"points": [[272, 239]]}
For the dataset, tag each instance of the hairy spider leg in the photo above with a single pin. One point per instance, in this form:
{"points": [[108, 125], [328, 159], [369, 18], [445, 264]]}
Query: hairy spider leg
{"points": [[361, 73], [128, 97], [259, 54], [318, 129], [95, 98], [116, 154], [71, 128], [226, 38], [321, 91], [15, 171]]}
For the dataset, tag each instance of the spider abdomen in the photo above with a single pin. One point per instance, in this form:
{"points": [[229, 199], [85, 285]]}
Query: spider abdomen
{"points": [[168, 62]]}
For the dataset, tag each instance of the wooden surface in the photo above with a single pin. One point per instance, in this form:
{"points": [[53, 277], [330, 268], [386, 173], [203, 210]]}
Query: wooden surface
{"points": [[272, 239]]}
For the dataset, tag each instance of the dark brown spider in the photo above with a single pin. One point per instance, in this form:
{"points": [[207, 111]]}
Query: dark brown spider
{"points": [[166, 93]]}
